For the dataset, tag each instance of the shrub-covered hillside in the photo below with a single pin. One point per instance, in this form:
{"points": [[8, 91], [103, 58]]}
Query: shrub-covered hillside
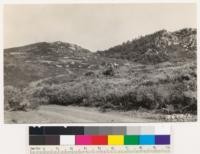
{"points": [[158, 47], [156, 72]]}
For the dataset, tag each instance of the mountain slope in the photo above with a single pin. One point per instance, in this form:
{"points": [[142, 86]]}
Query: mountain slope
{"points": [[23, 65], [158, 47], [41, 60], [48, 49]]}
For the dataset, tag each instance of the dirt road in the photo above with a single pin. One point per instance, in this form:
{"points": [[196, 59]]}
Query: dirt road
{"points": [[63, 114]]}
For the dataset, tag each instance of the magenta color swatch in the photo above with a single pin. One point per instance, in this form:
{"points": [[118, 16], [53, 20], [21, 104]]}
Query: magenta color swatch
{"points": [[83, 140]]}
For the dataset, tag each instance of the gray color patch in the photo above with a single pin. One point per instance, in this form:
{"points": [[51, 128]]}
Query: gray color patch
{"points": [[134, 130]]}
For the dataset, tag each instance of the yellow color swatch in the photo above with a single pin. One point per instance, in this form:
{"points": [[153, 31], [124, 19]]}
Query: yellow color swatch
{"points": [[115, 139]]}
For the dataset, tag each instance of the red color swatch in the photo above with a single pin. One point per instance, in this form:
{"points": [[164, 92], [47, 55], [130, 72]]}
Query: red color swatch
{"points": [[100, 140]]}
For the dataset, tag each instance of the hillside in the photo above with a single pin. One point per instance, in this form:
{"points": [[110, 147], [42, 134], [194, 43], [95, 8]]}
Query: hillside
{"points": [[156, 72], [45, 60], [41, 60], [158, 47]]}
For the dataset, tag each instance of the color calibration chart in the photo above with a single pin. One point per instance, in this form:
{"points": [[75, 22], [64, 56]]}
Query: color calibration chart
{"points": [[99, 139]]}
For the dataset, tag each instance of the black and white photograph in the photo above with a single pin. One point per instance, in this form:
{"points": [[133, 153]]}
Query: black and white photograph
{"points": [[100, 63]]}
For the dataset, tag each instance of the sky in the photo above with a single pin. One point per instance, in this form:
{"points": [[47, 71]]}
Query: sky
{"points": [[92, 26]]}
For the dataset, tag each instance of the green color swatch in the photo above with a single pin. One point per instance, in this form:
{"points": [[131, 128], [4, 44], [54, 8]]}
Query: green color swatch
{"points": [[131, 139]]}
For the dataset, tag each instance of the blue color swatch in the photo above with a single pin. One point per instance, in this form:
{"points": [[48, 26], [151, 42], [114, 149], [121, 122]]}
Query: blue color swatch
{"points": [[147, 139]]}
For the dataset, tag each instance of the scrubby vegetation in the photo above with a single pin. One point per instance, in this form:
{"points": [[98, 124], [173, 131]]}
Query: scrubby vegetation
{"points": [[156, 72], [158, 47], [13, 99], [173, 91]]}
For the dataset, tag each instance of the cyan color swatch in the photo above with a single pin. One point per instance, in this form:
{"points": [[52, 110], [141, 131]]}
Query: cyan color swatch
{"points": [[147, 139]]}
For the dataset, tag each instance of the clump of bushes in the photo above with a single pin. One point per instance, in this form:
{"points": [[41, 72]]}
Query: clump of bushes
{"points": [[13, 99], [108, 95], [109, 70], [89, 73]]}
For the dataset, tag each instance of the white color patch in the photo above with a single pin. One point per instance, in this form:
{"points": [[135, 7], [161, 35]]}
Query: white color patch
{"points": [[67, 140]]}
